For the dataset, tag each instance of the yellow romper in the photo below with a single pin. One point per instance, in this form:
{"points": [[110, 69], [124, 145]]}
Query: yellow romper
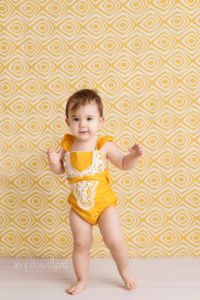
{"points": [[90, 191]]}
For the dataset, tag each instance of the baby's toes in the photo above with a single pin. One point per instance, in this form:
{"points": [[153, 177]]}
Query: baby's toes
{"points": [[129, 286], [75, 291], [133, 284], [69, 290]]}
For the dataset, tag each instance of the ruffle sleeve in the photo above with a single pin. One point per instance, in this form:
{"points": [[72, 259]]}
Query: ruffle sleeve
{"points": [[67, 141], [105, 139]]}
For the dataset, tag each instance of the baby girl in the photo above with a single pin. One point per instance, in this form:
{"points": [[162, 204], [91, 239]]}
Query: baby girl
{"points": [[84, 156]]}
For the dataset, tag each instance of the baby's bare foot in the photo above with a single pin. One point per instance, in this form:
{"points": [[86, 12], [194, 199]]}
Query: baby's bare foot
{"points": [[77, 287], [129, 279]]}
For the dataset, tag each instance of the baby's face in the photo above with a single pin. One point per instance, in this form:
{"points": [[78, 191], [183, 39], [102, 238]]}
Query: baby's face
{"points": [[84, 119]]}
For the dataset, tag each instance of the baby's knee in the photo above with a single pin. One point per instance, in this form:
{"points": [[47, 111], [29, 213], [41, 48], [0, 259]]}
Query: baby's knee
{"points": [[83, 243], [115, 243]]}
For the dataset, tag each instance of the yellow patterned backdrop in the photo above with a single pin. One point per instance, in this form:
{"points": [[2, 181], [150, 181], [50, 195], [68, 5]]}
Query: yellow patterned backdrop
{"points": [[143, 57]]}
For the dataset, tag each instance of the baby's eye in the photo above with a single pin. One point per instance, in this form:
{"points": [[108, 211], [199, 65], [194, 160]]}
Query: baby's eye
{"points": [[77, 118]]}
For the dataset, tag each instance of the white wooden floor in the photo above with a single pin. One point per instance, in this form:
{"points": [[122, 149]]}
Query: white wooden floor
{"points": [[157, 279]]}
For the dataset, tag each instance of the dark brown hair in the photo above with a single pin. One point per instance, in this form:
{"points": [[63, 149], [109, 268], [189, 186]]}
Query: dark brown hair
{"points": [[83, 97]]}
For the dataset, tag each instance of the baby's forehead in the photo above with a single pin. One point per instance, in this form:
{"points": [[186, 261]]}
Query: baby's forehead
{"points": [[85, 110]]}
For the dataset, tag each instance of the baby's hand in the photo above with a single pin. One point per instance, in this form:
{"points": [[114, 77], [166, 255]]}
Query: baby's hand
{"points": [[54, 157], [136, 150]]}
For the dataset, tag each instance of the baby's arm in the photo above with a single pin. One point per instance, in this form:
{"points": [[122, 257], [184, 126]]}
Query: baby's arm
{"points": [[121, 161], [56, 161]]}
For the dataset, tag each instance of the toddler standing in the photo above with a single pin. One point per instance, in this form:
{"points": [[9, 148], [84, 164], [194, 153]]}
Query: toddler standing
{"points": [[84, 156]]}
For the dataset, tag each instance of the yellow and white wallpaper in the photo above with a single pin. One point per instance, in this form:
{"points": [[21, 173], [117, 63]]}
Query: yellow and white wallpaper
{"points": [[143, 57]]}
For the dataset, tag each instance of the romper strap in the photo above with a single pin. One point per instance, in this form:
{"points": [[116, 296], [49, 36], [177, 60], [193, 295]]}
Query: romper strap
{"points": [[103, 139], [67, 141]]}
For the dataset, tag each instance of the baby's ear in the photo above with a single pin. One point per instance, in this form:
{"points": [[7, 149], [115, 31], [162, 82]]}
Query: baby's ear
{"points": [[101, 121]]}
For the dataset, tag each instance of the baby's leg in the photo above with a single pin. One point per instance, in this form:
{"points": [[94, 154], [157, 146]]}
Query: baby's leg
{"points": [[110, 227], [82, 238]]}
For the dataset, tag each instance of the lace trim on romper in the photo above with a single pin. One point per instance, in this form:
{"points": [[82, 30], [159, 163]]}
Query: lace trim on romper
{"points": [[96, 167], [84, 190]]}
